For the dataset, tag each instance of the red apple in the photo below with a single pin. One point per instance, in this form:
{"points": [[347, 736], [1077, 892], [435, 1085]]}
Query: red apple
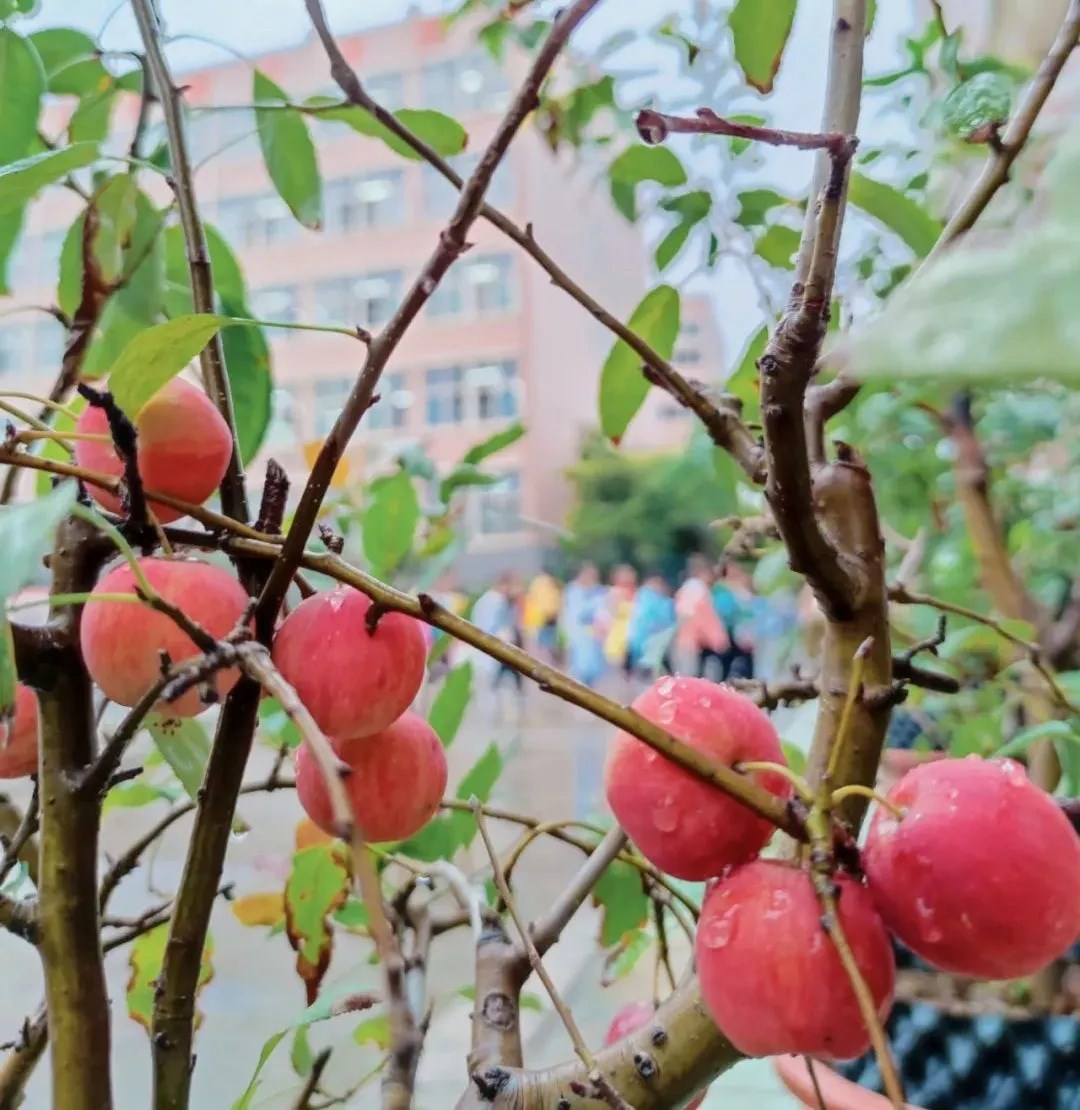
{"points": [[396, 783], [19, 737], [122, 641], [680, 824], [981, 876], [353, 681], [770, 974], [184, 447], [629, 1020]]}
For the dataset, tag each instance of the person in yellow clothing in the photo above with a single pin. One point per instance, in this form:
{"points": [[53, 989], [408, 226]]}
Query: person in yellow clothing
{"points": [[620, 605], [543, 604]]}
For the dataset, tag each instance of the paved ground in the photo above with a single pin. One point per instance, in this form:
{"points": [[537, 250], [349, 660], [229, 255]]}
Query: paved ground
{"points": [[554, 771]]}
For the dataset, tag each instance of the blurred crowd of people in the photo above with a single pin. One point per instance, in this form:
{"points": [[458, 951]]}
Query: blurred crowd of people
{"points": [[712, 623]]}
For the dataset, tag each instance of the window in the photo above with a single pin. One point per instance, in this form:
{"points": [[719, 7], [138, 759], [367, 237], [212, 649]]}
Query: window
{"points": [[474, 287], [483, 391], [440, 196], [276, 302], [472, 83], [14, 348], [330, 397], [255, 221], [376, 200], [393, 407], [498, 506], [282, 430], [688, 357], [368, 300], [445, 397], [690, 328], [49, 341]]}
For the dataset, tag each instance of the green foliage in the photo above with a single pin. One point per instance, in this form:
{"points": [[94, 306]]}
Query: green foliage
{"points": [[288, 151], [70, 61], [26, 534], [494, 444], [622, 901], [983, 101], [690, 209], [641, 163], [22, 86], [390, 520], [147, 957], [650, 511], [317, 885], [448, 709], [22, 180], [623, 387], [778, 245], [441, 132], [761, 33], [897, 211], [185, 745]]}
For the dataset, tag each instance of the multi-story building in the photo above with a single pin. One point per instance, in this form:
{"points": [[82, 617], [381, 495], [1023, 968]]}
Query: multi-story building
{"points": [[496, 343]]}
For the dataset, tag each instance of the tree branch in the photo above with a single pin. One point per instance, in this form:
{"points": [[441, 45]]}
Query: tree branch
{"points": [[452, 243], [18, 833], [18, 1065], [654, 127], [721, 420], [212, 357]]}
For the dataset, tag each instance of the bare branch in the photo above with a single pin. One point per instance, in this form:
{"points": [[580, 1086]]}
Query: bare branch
{"points": [[19, 844], [211, 358], [654, 127], [19, 1063]]}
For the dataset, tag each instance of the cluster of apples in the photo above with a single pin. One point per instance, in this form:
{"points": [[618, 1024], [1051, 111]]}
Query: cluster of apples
{"points": [[971, 866]]}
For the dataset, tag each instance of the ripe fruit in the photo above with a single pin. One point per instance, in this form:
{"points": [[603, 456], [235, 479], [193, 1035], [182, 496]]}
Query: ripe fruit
{"points": [[769, 973], [680, 824], [184, 448], [19, 738], [397, 780], [354, 682], [629, 1020], [121, 641], [982, 874]]}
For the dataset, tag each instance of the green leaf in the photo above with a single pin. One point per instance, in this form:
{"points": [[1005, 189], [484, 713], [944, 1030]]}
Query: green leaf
{"points": [[795, 756], [389, 521], [247, 361], [115, 330], [317, 885], [740, 145], [228, 276], [983, 101], [623, 387], [23, 180], [374, 1031], [135, 795], [622, 901], [244, 1101], [755, 204], [26, 535], [640, 163], [441, 132], [1046, 730], [70, 61], [288, 152], [352, 915], [1001, 313], [743, 382], [778, 246], [691, 209], [463, 476], [9, 678], [631, 948], [22, 86], [300, 1057], [185, 745], [146, 960], [157, 355], [478, 783], [448, 709], [897, 211], [11, 223], [90, 121], [494, 444], [761, 31]]}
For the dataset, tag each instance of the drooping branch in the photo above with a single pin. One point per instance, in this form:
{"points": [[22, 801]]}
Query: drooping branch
{"points": [[720, 418], [211, 358], [19, 1063]]}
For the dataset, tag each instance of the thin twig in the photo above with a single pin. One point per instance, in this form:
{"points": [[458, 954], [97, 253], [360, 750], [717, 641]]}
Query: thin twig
{"points": [[27, 827], [580, 1047], [311, 1085], [654, 127], [211, 358]]}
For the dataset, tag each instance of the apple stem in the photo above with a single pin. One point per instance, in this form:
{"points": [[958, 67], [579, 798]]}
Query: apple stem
{"points": [[831, 922], [857, 788], [802, 787]]}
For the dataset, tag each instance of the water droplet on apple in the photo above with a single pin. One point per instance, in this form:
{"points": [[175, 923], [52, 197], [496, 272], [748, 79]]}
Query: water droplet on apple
{"points": [[666, 688], [666, 814], [705, 703], [666, 713], [717, 931], [779, 904], [965, 920]]}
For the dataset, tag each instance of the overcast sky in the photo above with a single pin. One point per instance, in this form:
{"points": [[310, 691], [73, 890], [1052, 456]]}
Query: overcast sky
{"points": [[254, 26]]}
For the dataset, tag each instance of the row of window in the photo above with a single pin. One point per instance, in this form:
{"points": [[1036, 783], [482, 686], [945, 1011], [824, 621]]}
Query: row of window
{"points": [[358, 203], [466, 394], [476, 286]]}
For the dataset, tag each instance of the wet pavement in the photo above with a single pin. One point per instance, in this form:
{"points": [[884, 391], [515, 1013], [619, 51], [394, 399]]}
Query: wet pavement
{"points": [[555, 763]]}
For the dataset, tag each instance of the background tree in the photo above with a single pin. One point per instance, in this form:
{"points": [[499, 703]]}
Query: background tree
{"points": [[146, 287]]}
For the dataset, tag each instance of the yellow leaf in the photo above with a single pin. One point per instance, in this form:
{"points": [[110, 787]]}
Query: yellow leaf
{"points": [[341, 474], [260, 909], [308, 834]]}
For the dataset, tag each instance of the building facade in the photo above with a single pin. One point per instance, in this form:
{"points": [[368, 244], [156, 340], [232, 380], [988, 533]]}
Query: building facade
{"points": [[496, 343]]}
